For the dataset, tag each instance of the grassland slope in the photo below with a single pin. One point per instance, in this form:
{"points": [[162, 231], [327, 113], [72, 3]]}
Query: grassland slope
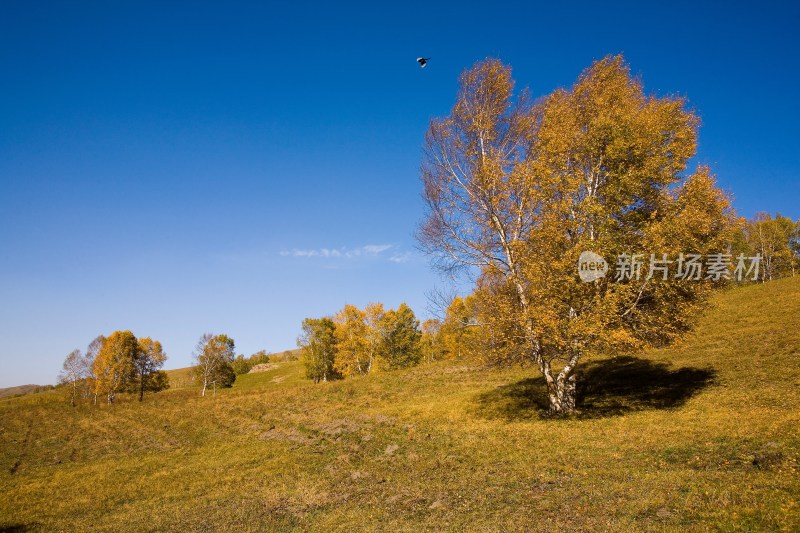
{"points": [[703, 435]]}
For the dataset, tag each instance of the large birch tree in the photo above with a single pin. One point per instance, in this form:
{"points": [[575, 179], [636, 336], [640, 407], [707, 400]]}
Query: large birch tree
{"points": [[516, 190]]}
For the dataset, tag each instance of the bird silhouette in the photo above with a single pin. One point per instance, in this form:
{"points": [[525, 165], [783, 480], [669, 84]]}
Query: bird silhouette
{"points": [[422, 61]]}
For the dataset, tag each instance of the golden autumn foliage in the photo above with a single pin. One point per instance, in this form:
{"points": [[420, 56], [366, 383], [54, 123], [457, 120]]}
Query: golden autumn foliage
{"points": [[777, 239], [362, 341], [147, 366], [353, 347], [429, 345], [114, 365], [121, 363], [517, 190], [458, 333]]}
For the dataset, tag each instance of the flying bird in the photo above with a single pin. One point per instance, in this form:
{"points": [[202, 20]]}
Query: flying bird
{"points": [[423, 61]]}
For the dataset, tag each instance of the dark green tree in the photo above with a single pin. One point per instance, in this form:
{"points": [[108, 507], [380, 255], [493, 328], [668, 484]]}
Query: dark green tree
{"points": [[402, 340], [241, 365]]}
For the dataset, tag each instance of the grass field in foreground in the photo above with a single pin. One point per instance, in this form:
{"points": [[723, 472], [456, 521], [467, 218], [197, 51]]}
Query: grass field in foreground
{"points": [[694, 437]]}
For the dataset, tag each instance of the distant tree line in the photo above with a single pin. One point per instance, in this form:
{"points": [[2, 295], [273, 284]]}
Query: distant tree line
{"points": [[456, 335], [776, 239], [122, 363], [357, 342], [243, 365]]}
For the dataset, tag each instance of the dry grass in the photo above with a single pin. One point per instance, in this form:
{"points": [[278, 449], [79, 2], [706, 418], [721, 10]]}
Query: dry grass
{"points": [[695, 437], [21, 390]]}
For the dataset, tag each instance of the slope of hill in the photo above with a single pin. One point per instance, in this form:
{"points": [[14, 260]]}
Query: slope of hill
{"points": [[20, 390], [697, 436]]}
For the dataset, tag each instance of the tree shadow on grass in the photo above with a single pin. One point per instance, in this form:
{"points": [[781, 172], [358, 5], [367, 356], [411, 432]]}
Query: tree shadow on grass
{"points": [[607, 387], [16, 528]]}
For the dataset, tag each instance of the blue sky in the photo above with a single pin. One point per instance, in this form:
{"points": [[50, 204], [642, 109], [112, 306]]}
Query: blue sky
{"points": [[180, 168]]}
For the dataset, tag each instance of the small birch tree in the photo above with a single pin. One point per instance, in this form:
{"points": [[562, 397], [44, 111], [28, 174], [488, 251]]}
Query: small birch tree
{"points": [[90, 388], [213, 357], [73, 372]]}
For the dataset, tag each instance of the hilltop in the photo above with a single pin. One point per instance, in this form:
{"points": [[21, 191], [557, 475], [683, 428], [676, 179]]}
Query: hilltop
{"points": [[699, 435], [20, 390]]}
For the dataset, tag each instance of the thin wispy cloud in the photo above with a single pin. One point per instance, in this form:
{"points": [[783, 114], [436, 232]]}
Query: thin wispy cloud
{"points": [[369, 250], [401, 257]]}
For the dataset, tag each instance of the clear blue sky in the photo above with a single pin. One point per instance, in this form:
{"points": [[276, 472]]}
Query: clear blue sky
{"points": [[175, 169]]}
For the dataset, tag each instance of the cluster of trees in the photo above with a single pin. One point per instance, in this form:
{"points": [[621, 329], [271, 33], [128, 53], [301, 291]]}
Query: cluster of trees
{"points": [[243, 365], [456, 336], [113, 364], [122, 363], [356, 341], [776, 239]]}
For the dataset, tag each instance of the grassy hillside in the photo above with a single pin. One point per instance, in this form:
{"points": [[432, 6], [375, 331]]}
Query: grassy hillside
{"points": [[697, 436], [181, 378], [20, 390]]}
